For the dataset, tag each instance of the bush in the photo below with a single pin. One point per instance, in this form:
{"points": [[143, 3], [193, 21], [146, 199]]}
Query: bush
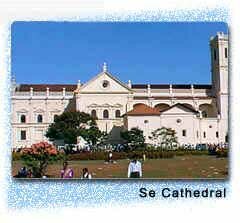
{"points": [[191, 152], [222, 153], [151, 153], [120, 155], [39, 156], [16, 156]]}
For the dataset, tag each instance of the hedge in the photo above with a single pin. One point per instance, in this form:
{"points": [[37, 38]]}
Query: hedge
{"points": [[152, 154]]}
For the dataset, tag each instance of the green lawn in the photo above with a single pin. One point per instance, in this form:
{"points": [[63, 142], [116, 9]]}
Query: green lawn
{"points": [[178, 167]]}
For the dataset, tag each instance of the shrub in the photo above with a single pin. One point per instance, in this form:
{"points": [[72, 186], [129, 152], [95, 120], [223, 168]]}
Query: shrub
{"points": [[120, 155], [222, 153], [16, 156], [191, 152], [38, 156]]}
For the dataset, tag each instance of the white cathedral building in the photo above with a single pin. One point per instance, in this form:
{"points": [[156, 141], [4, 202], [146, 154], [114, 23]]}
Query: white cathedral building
{"points": [[198, 113]]}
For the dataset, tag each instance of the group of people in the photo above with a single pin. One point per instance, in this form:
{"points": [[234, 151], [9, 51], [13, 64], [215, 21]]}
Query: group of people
{"points": [[214, 148], [134, 171], [67, 172]]}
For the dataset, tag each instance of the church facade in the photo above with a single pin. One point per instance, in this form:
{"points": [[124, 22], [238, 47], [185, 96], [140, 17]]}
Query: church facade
{"points": [[198, 113]]}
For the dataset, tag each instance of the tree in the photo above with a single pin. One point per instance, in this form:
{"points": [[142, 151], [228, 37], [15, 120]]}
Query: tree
{"points": [[38, 156], [164, 137], [69, 125], [134, 138]]}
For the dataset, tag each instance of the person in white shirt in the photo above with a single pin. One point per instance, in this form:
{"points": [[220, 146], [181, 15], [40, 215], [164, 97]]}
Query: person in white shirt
{"points": [[110, 157], [86, 174], [135, 168]]}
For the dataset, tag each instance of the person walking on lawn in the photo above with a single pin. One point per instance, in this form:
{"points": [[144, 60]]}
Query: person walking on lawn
{"points": [[66, 172], [135, 168], [86, 174]]}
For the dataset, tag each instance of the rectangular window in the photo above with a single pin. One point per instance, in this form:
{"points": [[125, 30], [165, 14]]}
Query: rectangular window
{"points": [[197, 134], [23, 135], [217, 134], [226, 52], [184, 132]]}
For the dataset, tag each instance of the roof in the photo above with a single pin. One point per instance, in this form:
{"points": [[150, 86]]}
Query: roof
{"points": [[145, 110], [43, 87], [72, 87], [174, 86], [142, 109]]}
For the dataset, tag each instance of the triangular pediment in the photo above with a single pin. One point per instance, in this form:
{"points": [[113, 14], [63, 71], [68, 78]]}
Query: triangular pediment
{"points": [[22, 110], [104, 83], [55, 111], [117, 105], [93, 105], [39, 110], [179, 109]]}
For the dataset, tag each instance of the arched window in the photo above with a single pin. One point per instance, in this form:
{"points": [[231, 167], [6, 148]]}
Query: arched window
{"points": [[208, 110], [117, 114], [161, 106], [204, 114], [23, 118], [138, 104], [204, 134], [39, 118], [105, 114], [94, 113], [55, 118]]}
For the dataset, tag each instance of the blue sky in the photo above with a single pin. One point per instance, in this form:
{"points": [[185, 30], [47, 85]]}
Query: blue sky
{"points": [[64, 52]]}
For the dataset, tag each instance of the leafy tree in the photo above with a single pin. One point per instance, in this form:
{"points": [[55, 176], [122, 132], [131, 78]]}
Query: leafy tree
{"points": [[164, 137], [69, 125], [134, 138], [39, 156]]}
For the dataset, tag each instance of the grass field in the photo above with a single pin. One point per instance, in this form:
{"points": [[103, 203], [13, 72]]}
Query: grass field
{"points": [[178, 167]]}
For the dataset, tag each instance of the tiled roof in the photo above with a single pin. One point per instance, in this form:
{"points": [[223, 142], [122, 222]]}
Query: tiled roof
{"points": [[175, 86], [72, 87], [145, 110], [142, 109], [43, 87]]}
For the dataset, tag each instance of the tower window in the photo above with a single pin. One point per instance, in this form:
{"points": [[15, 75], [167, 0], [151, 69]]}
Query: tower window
{"points": [[94, 113], [39, 118], [217, 134], [117, 113], [23, 118], [184, 132], [226, 52], [23, 135], [105, 114], [215, 54]]}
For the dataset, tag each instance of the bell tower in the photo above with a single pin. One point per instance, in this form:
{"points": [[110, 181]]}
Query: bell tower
{"points": [[219, 70]]}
